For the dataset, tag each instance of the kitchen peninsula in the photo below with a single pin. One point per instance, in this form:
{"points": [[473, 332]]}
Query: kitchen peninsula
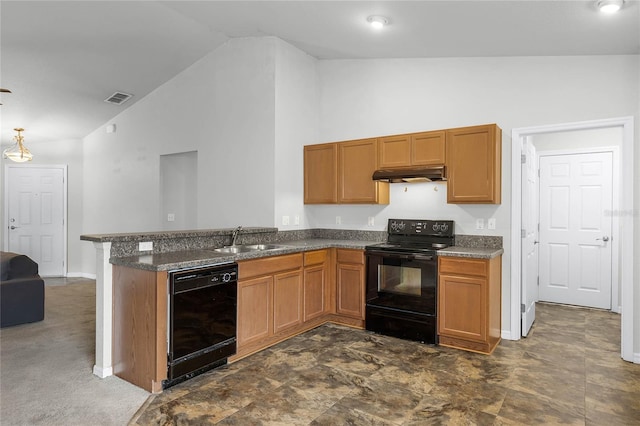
{"points": [[304, 279]]}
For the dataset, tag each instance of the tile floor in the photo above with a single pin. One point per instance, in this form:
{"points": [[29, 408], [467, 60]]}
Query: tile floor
{"points": [[568, 371]]}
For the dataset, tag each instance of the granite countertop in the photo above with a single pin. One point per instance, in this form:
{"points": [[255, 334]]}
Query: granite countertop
{"points": [[194, 258], [473, 252]]}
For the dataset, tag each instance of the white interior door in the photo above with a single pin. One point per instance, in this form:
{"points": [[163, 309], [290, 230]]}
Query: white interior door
{"points": [[530, 236], [575, 230], [35, 215]]}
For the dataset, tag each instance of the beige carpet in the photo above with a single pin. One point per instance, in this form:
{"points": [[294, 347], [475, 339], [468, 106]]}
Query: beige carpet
{"points": [[46, 367]]}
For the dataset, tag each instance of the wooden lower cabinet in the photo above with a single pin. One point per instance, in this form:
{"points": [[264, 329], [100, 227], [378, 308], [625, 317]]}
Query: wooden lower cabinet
{"points": [[140, 300], [287, 300], [469, 303], [255, 321], [316, 282], [350, 283], [269, 299]]}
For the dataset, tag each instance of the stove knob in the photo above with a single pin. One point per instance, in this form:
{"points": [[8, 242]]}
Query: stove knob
{"points": [[444, 227], [435, 227], [226, 277]]}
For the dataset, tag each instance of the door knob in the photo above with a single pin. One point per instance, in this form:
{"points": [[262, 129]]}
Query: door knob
{"points": [[13, 227], [605, 239]]}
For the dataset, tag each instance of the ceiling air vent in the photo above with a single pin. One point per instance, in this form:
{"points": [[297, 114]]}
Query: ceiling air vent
{"points": [[118, 98]]}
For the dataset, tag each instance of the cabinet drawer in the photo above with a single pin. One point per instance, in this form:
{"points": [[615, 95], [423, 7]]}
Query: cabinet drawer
{"points": [[464, 266], [268, 265], [315, 257], [350, 256]]}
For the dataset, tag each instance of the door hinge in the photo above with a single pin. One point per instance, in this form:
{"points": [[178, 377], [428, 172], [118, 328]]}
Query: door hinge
{"points": [[538, 281], [538, 172], [523, 233], [522, 308], [523, 158]]}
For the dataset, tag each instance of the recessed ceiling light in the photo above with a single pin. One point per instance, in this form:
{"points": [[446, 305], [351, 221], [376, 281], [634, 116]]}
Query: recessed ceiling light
{"points": [[610, 6], [377, 21]]}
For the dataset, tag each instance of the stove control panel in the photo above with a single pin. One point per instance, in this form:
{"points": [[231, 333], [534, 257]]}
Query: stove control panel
{"points": [[421, 227]]}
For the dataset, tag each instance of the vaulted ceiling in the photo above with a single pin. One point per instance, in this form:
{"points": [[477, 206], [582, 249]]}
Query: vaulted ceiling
{"points": [[61, 59]]}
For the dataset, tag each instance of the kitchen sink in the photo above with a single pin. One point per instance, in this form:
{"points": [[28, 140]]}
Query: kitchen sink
{"points": [[233, 249], [248, 248], [265, 246]]}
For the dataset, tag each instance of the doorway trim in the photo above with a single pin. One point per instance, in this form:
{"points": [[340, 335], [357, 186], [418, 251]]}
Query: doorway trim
{"points": [[625, 216], [5, 200]]}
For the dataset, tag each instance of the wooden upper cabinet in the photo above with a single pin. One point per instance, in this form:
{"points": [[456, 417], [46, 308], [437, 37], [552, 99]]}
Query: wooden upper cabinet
{"points": [[428, 148], [414, 149], [357, 160], [321, 174], [474, 164], [395, 151]]}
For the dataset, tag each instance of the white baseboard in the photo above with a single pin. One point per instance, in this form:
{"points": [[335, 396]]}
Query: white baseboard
{"points": [[636, 358], [506, 335], [102, 372], [81, 275]]}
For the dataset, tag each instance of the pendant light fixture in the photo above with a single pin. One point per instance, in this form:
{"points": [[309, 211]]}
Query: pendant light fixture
{"points": [[610, 6], [18, 152]]}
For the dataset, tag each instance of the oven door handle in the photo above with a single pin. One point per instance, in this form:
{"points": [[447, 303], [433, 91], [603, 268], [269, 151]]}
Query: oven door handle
{"points": [[402, 256]]}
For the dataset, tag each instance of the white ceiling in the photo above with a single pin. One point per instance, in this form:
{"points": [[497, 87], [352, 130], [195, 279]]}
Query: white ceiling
{"points": [[61, 59]]}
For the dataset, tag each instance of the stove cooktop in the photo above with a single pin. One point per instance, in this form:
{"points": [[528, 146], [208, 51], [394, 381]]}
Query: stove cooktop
{"points": [[410, 235]]}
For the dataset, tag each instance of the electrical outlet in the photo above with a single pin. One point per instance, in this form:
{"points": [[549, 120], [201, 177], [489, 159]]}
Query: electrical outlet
{"points": [[285, 220], [491, 223], [480, 223], [296, 220], [145, 246], [370, 222], [338, 220], [171, 217]]}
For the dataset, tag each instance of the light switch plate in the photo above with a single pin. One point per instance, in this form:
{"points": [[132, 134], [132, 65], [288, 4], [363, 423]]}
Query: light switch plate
{"points": [[480, 223], [285, 220], [491, 223]]}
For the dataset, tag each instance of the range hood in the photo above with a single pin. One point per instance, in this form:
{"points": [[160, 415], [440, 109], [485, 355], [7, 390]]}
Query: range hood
{"points": [[411, 174]]}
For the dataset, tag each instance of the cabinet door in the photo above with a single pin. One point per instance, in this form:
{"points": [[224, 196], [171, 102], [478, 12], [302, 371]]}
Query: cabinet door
{"points": [[428, 148], [350, 290], [474, 163], [462, 304], [315, 279], [254, 309], [357, 160], [321, 174], [395, 151], [287, 300]]}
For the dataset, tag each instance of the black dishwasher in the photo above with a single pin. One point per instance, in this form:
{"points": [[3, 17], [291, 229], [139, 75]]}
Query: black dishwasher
{"points": [[202, 320]]}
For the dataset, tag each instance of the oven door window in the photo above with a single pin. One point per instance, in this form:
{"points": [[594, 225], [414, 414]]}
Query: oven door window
{"points": [[407, 277]]}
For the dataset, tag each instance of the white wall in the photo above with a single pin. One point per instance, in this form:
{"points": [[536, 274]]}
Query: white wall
{"points": [[296, 123], [366, 98], [223, 107]]}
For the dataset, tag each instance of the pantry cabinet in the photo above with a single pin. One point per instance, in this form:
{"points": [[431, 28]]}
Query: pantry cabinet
{"points": [[415, 149], [469, 303], [474, 164]]}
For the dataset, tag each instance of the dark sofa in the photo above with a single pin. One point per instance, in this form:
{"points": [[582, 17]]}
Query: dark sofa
{"points": [[21, 290]]}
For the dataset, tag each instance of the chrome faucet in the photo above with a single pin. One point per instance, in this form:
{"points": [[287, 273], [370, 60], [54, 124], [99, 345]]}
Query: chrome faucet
{"points": [[234, 235]]}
